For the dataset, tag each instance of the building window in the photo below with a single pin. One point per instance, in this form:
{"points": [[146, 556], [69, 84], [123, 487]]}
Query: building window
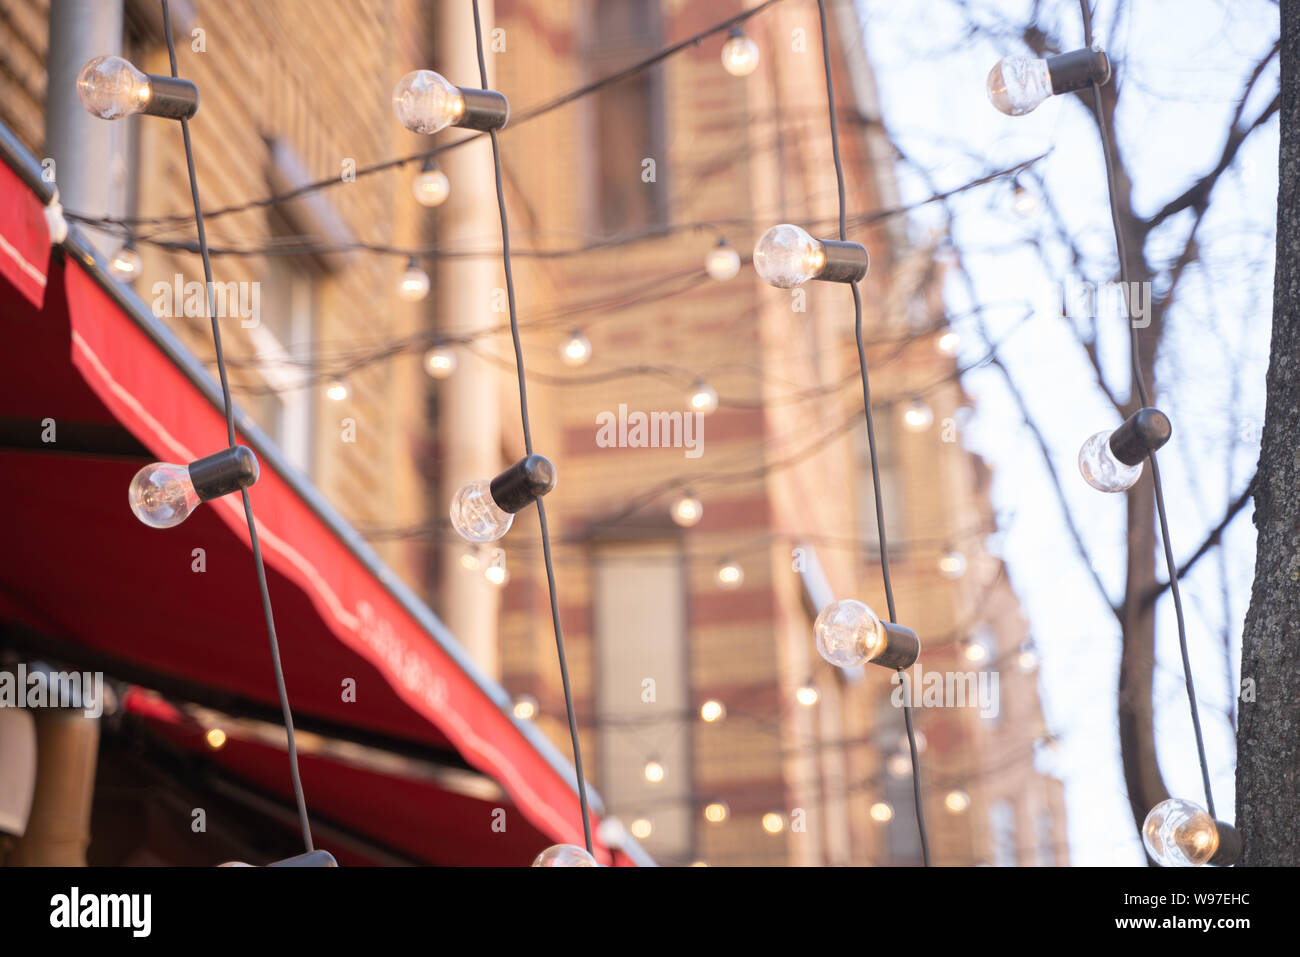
{"points": [[1002, 828]]}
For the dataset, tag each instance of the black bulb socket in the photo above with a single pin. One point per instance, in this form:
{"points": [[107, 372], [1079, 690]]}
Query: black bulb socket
{"points": [[1229, 850], [902, 647], [523, 483], [484, 110], [171, 97], [1078, 69], [1142, 433], [224, 472], [845, 262]]}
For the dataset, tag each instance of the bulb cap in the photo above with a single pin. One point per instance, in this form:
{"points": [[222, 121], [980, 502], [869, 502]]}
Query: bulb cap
{"points": [[310, 859], [171, 97], [1229, 849], [902, 647], [224, 472], [484, 110], [1078, 69], [523, 483], [1143, 432], [845, 262]]}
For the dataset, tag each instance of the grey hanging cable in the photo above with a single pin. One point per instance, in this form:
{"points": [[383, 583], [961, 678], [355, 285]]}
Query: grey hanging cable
{"points": [[871, 436], [528, 448], [230, 435]]}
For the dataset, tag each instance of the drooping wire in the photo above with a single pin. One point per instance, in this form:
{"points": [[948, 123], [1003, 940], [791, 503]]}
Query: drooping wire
{"points": [[230, 435], [1139, 382], [871, 435], [528, 447]]}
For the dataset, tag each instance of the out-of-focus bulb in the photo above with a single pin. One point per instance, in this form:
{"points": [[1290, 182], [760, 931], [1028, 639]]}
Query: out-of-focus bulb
{"points": [[739, 54], [162, 495], [215, 739], [1024, 201], [947, 343], [470, 561], [687, 511], [496, 572], [918, 416], [576, 350], [898, 765], [848, 633], [722, 262], [712, 711], [905, 747], [431, 186], [475, 514], [952, 564], [1017, 84], [729, 574], [125, 264], [786, 256], [976, 651], [414, 283], [956, 801], [1027, 659], [806, 695], [716, 812], [653, 771], [642, 828], [881, 812], [426, 102], [773, 822], [703, 398], [440, 362], [111, 88], [525, 707], [337, 390], [1102, 470], [564, 855], [1178, 833], [611, 832]]}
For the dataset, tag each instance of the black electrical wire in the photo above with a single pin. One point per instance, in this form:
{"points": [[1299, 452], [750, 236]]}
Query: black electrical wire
{"points": [[1121, 250], [871, 433], [528, 447], [230, 435]]}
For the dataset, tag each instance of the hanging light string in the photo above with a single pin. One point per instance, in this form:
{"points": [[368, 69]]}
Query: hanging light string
{"points": [[230, 436], [528, 448], [871, 434], [1121, 249]]}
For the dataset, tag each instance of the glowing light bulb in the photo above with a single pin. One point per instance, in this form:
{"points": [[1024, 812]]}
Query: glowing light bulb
{"points": [[111, 88], [125, 264], [564, 855], [729, 575], [470, 561], [1017, 84], [653, 771], [905, 748], [1024, 201], [703, 398], [1027, 659], [1102, 470], [162, 495], [952, 564], [525, 707], [687, 511], [431, 186], [712, 711], [918, 416], [699, 864], [496, 572], [414, 283], [947, 343], [337, 390], [642, 828], [773, 822], [956, 801], [722, 262], [716, 812], [426, 102], [848, 633], [899, 765], [881, 812], [576, 350], [215, 739], [786, 256], [806, 695], [1178, 833], [976, 651], [739, 54], [611, 832], [440, 362]]}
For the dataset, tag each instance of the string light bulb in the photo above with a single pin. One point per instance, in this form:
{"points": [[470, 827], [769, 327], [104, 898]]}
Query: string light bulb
{"points": [[703, 398], [642, 828], [786, 256], [729, 575], [712, 711], [898, 765], [653, 772], [426, 102], [125, 264], [722, 262], [1113, 461], [773, 823], [956, 801], [576, 350], [882, 812], [715, 812], [918, 416], [525, 707], [496, 572], [110, 87], [1179, 833], [1027, 658], [1018, 84], [163, 495], [687, 511], [413, 285], [806, 695], [947, 343], [739, 53], [848, 633], [440, 362], [564, 855], [337, 390], [215, 739], [1023, 200], [483, 511], [431, 186], [952, 564]]}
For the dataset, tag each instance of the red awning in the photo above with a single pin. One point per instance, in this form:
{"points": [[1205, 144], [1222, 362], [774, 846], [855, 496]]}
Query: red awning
{"points": [[82, 355]]}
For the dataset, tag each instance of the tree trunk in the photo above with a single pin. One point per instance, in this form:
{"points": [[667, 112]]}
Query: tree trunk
{"points": [[1268, 731]]}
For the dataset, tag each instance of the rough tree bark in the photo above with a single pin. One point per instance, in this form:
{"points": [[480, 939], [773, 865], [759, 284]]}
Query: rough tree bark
{"points": [[1268, 732]]}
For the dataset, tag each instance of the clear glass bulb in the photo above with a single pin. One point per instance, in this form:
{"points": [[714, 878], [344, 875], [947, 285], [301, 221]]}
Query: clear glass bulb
{"points": [[687, 511], [414, 284], [564, 855], [848, 633], [1017, 84], [1178, 833], [497, 574], [111, 88], [431, 187], [730, 575], [1102, 470], [576, 350], [162, 495], [125, 264], [426, 102], [475, 514], [440, 362], [740, 55], [918, 416], [1024, 201], [786, 256], [703, 398], [722, 262], [337, 390]]}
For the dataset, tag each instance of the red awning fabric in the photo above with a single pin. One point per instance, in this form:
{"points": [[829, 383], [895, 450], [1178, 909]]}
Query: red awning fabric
{"points": [[87, 358]]}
